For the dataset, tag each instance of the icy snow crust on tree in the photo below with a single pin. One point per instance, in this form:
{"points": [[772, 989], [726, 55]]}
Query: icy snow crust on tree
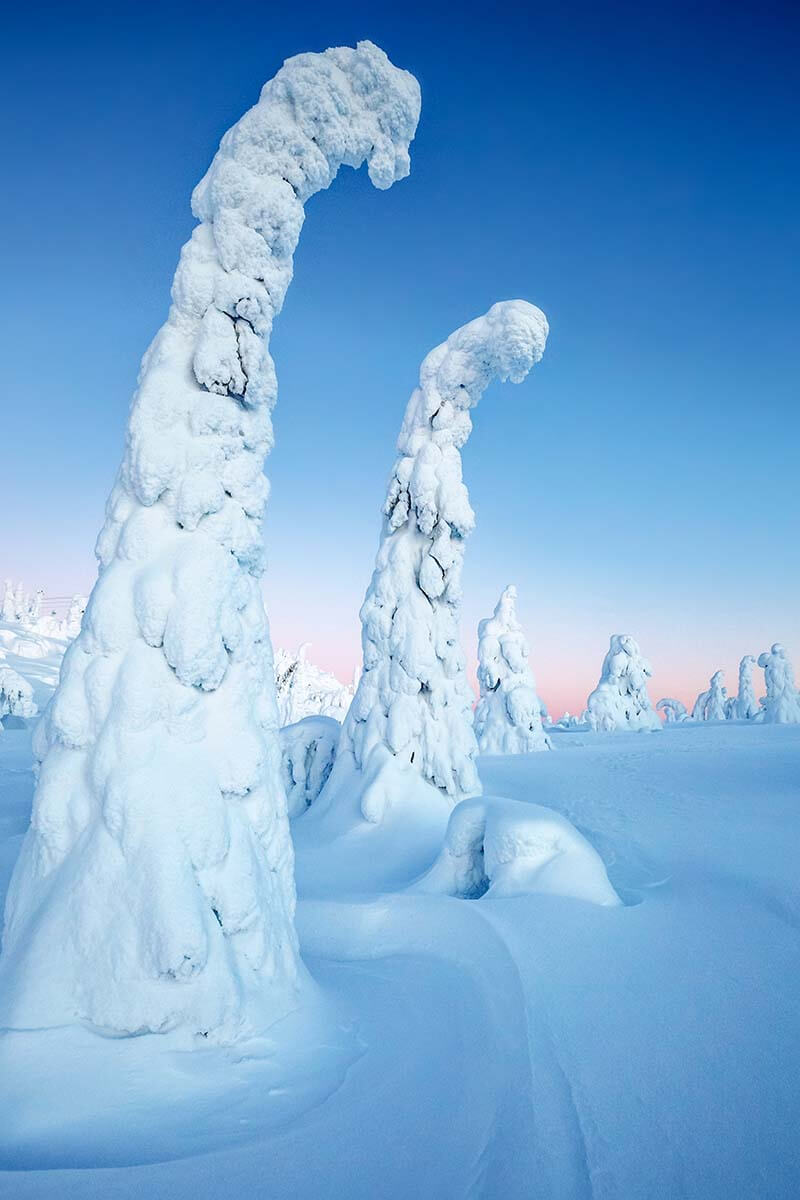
{"points": [[508, 716], [155, 886], [620, 700], [413, 703], [782, 702]]}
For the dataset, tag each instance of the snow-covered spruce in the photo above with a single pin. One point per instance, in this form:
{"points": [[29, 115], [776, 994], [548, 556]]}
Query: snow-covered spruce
{"points": [[306, 691], [744, 706], [155, 887], [508, 714], [674, 710], [782, 702], [711, 705], [413, 703], [16, 695], [620, 700], [308, 750]]}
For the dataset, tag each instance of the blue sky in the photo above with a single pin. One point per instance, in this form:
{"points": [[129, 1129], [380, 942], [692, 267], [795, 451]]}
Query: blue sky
{"points": [[635, 173]]}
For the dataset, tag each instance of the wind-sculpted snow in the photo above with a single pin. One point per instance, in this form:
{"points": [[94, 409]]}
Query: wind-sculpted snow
{"points": [[620, 700], [508, 717], [413, 701], [155, 887], [782, 702], [500, 847], [674, 710]]}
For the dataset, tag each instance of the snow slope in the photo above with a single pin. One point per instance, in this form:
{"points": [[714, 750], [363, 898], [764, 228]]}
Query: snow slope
{"points": [[508, 1047]]}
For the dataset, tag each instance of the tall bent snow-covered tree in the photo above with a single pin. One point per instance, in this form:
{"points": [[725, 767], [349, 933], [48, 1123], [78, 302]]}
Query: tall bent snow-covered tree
{"points": [[155, 887], [413, 703], [508, 718], [620, 700]]}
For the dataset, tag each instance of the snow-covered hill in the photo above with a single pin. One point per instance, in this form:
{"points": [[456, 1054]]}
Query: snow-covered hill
{"points": [[522, 1046]]}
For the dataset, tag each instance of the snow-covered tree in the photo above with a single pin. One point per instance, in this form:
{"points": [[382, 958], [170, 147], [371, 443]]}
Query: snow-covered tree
{"points": [[16, 695], [782, 704], [508, 714], [674, 710], [306, 691], [413, 703], [744, 706], [9, 610], [155, 887], [711, 704], [71, 626], [620, 700]]}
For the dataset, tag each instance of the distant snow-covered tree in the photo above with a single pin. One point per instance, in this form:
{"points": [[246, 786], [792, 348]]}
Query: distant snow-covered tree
{"points": [[16, 694], [744, 706], [306, 691], [711, 705], [155, 890], [9, 610], [620, 700], [782, 704], [508, 714], [72, 622], [413, 704], [674, 710]]}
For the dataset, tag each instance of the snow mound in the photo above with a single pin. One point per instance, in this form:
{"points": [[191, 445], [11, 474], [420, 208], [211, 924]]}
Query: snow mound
{"points": [[499, 847], [508, 716], [308, 750], [620, 700], [155, 891], [413, 700]]}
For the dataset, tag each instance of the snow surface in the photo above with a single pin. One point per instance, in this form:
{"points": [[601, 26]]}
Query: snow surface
{"points": [[529, 1047], [155, 889], [508, 717], [413, 702]]}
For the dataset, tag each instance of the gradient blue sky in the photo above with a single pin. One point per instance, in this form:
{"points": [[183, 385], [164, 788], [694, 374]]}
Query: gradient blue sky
{"points": [[633, 170]]}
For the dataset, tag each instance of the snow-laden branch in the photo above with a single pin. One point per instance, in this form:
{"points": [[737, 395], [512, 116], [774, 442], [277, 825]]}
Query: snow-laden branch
{"points": [[155, 887], [508, 717], [413, 701]]}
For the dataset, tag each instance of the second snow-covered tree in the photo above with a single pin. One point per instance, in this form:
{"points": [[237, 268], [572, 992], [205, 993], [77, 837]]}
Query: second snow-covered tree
{"points": [[413, 704], [508, 716]]}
